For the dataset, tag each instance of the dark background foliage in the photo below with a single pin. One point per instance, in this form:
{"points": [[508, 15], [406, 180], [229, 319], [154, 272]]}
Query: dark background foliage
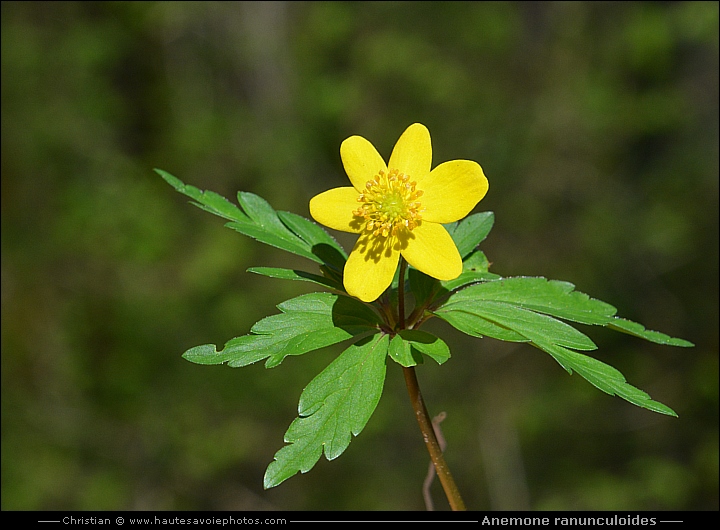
{"points": [[596, 124]]}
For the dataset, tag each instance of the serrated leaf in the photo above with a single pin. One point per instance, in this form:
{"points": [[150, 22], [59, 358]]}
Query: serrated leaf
{"points": [[531, 325], [264, 215], [258, 220], [206, 200], [638, 330], [290, 274], [526, 307], [477, 326], [335, 406], [308, 322], [471, 231], [322, 244], [554, 298], [274, 239], [557, 299], [603, 376]]}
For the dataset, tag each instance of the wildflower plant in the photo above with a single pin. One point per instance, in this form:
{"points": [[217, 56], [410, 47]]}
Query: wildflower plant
{"points": [[414, 236]]}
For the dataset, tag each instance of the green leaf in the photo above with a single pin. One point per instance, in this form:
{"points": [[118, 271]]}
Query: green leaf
{"points": [[289, 274], [553, 298], [475, 269], [476, 262], [427, 344], [524, 308], [206, 200], [265, 226], [260, 211], [471, 231], [604, 377], [538, 294], [259, 220], [401, 352], [638, 330], [476, 326], [308, 322], [533, 326], [322, 244], [335, 406], [408, 346]]}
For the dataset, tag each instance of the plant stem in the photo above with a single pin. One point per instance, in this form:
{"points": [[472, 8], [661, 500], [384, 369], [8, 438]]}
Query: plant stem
{"points": [[421, 413], [438, 460]]}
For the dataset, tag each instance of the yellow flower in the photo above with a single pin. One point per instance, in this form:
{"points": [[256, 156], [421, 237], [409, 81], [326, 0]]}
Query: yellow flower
{"points": [[398, 209]]}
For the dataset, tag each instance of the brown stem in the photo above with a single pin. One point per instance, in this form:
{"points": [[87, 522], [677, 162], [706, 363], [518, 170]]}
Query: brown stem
{"points": [[438, 460], [421, 413]]}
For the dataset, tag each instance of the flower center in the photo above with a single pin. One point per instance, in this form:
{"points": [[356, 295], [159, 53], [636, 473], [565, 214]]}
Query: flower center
{"points": [[389, 203]]}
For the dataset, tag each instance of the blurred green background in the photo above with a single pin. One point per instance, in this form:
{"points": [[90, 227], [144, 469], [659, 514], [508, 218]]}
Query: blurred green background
{"points": [[596, 124]]}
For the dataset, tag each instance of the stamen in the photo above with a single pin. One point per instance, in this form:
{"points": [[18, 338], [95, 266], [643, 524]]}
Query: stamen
{"points": [[390, 204]]}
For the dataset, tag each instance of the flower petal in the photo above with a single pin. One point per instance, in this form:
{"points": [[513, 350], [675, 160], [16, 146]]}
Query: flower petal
{"points": [[361, 161], [452, 190], [412, 153], [370, 268], [431, 250], [334, 209]]}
